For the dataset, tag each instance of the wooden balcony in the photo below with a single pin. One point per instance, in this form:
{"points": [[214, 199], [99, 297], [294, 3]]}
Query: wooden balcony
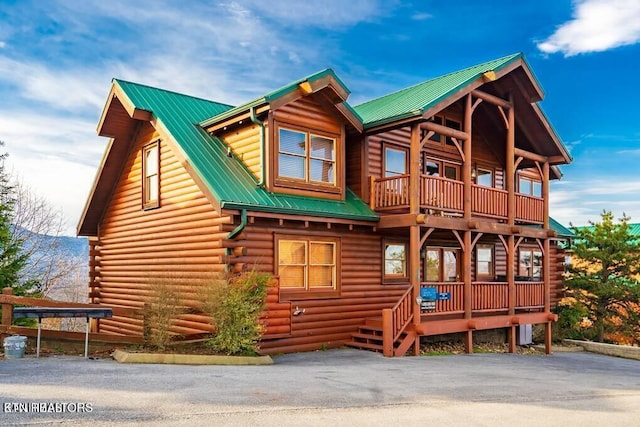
{"points": [[444, 196], [487, 297]]}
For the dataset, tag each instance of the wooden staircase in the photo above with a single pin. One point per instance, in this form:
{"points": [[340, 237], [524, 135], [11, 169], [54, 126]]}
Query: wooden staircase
{"points": [[369, 337]]}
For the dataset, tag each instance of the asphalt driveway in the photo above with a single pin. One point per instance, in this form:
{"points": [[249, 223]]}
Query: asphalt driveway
{"points": [[337, 387]]}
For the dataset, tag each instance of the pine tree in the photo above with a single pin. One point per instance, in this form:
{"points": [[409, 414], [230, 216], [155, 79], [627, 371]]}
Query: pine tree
{"points": [[12, 260], [602, 280]]}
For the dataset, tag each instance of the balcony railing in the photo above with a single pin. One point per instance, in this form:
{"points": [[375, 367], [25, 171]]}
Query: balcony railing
{"points": [[486, 297], [445, 196], [489, 201], [529, 208]]}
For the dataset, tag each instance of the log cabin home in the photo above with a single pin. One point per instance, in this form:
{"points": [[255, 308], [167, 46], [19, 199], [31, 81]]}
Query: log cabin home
{"points": [[423, 212]]}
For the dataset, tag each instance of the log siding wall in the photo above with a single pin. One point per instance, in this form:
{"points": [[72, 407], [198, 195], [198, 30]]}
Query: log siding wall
{"points": [[178, 243], [245, 145], [323, 321]]}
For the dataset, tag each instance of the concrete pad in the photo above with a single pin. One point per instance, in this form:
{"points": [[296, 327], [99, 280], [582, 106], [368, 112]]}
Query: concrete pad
{"points": [[189, 359], [342, 387], [625, 351]]}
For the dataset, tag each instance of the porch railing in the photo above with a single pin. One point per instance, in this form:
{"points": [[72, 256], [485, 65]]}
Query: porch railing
{"points": [[529, 295], [441, 193], [446, 196], [529, 208], [391, 192], [489, 201], [489, 296], [455, 303]]}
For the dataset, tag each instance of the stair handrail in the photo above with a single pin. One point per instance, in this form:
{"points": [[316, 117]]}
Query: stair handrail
{"points": [[402, 314]]}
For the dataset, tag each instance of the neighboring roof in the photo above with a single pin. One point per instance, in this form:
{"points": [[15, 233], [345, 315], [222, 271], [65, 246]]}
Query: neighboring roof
{"points": [[560, 229], [633, 228], [180, 115], [415, 100]]}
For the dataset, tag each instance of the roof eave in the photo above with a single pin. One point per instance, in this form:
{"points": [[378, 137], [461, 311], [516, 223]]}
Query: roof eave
{"points": [[281, 210]]}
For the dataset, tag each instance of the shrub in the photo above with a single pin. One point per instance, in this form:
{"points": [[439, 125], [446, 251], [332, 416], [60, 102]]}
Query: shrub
{"points": [[235, 306], [159, 314]]}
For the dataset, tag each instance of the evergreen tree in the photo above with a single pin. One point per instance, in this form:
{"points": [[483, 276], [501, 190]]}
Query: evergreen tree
{"points": [[12, 260], [602, 280]]}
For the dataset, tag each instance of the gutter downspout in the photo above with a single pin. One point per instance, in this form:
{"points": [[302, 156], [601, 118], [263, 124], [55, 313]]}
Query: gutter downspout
{"points": [[240, 227], [234, 233], [260, 123]]}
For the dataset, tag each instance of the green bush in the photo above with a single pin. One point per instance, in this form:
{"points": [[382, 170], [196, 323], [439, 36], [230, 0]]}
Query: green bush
{"points": [[235, 307]]}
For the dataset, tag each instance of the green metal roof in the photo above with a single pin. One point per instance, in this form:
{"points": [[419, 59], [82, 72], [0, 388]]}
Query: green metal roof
{"points": [[415, 100], [560, 229], [181, 115], [277, 94]]}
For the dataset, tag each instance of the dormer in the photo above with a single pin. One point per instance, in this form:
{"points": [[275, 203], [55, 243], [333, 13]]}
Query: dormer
{"points": [[293, 139]]}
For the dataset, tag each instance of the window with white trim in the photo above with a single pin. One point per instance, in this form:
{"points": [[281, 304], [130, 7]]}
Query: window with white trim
{"points": [[530, 264], [395, 260], [306, 156], [151, 175]]}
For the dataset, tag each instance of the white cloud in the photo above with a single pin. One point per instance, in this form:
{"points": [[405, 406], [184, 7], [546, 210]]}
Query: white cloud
{"points": [[578, 202], [3, 44], [331, 14], [421, 16], [61, 88], [597, 25], [56, 155]]}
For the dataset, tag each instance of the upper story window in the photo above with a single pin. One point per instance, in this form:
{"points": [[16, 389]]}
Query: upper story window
{"points": [[306, 156], [151, 175], [395, 161], [529, 186], [435, 167], [484, 177], [448, 122]]}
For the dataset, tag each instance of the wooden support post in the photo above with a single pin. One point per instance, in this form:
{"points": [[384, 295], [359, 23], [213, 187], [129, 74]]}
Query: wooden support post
{"points": [[414, 230], [466, 166], [466, 276], [511, 280], [7, 308], [547, 338], [387, 333], [372, 198], [414, 274], [510, 169], [468, 341], [546, 272], [512, 339], [414, 171], [545, 194]]}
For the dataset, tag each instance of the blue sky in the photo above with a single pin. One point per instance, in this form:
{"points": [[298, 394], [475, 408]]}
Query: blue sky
{"points": [[57, 59]]}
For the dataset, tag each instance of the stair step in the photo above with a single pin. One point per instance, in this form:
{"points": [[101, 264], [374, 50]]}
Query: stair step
{"points": [[363, 336], [365, 345], [374, 323], [370, 331]]}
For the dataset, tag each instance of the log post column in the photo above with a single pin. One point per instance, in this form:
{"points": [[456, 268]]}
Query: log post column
{"points": [[414, 230], [511, 215], [467, 205], [7, 308]]}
